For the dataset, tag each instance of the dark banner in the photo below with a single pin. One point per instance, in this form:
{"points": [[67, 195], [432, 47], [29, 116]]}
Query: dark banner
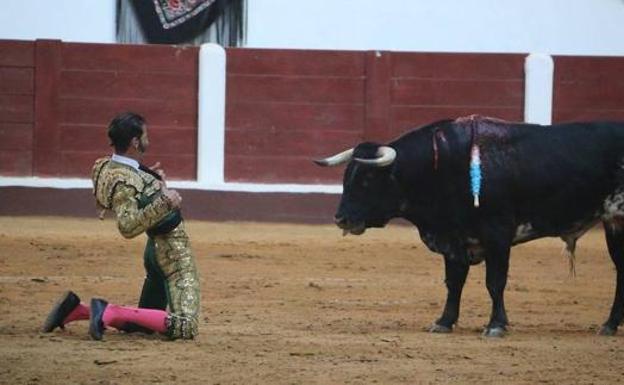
{"points": [[175, 12], [177, 21]]}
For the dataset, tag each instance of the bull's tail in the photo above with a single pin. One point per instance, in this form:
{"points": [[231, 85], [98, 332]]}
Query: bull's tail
{"points": [[569, 250]]}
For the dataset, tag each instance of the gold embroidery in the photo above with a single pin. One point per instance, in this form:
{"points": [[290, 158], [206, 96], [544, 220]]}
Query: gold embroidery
{"points": [[123, 189], [136, 199], [174, 256]]}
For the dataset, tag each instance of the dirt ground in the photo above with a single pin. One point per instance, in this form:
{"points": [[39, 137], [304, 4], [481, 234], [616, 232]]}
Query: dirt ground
{"points": [[300, 304]]}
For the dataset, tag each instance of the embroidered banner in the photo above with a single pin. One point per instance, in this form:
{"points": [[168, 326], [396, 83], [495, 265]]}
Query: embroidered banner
{"points": [[181, 21], [175, 12]]}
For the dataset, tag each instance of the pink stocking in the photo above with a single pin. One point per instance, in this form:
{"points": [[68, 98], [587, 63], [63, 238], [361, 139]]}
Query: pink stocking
{"points": [[118, 316], [81, 312]]}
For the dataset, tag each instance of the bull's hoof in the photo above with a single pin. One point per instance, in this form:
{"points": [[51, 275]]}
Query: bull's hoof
{"points": [[606, 330], [494, 332], [437, 328]]}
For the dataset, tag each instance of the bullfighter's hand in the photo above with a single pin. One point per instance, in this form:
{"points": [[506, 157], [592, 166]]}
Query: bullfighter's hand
{"points": [[158, 170], [174, 198]]}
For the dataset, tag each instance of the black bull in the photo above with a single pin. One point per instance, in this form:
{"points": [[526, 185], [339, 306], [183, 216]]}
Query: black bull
{"points": [[537, 181]]}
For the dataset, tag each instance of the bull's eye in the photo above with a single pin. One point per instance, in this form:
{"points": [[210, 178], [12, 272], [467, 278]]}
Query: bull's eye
{"points": [[367, 180]]}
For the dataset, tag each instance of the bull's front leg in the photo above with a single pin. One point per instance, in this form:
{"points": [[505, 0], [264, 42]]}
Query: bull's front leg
{"points": [[456, 271]]}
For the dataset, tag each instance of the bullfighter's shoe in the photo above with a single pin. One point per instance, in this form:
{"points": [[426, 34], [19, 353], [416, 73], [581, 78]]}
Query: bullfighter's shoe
{"points": [[96, 325], [63, 307]]}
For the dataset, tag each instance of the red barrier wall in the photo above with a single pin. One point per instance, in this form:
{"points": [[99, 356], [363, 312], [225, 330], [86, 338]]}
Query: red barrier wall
{"points": [[432, 86], [285, 107], [17, 117], [57, 98], [588, 88]]}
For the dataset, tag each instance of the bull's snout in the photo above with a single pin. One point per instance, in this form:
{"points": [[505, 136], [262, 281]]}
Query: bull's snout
{"points": [[340, 221], [349, 227]]}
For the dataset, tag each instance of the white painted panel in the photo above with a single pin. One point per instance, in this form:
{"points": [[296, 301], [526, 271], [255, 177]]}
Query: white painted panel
{"points": [[89, 21]]}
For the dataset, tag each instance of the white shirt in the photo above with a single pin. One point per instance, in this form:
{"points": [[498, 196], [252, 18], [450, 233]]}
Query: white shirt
{"points": [[125, 160]]}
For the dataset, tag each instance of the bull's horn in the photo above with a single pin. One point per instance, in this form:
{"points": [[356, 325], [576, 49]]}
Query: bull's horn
{"points": [[337, 159], [385, 156]]}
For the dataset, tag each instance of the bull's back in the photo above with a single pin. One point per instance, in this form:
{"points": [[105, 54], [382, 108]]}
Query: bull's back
{"points": [[556, 179]]}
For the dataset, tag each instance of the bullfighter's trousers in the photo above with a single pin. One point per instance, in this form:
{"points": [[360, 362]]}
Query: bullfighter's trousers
{"points": [[172, 279]]}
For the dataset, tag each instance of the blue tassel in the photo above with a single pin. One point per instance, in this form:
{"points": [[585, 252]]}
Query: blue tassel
{"points": [[475, 173]]}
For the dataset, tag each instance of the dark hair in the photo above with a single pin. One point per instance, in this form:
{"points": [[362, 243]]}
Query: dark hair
{"points": [[123, 128]]}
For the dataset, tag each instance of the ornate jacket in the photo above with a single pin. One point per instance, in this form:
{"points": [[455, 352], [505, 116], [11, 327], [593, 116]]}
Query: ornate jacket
{"points": [[135, 197]]}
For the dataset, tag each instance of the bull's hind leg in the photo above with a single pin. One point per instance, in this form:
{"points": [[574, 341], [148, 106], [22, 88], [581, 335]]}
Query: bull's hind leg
{"points": [[496, 268], [615, 244], [496, 239], [456, 270]]}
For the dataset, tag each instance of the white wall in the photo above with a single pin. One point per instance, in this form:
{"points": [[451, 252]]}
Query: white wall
{"points": [[68, 20], [583, 27], [592, 27]]}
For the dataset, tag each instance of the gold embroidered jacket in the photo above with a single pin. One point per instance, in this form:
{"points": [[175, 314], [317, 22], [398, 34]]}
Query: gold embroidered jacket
{"points": [[135, 196]]}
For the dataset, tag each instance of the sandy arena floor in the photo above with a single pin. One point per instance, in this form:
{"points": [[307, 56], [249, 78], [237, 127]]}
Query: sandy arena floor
{"points": [[295, 304]]}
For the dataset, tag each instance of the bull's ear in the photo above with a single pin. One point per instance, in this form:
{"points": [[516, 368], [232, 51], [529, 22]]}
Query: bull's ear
{"points": [[336, 160]]}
